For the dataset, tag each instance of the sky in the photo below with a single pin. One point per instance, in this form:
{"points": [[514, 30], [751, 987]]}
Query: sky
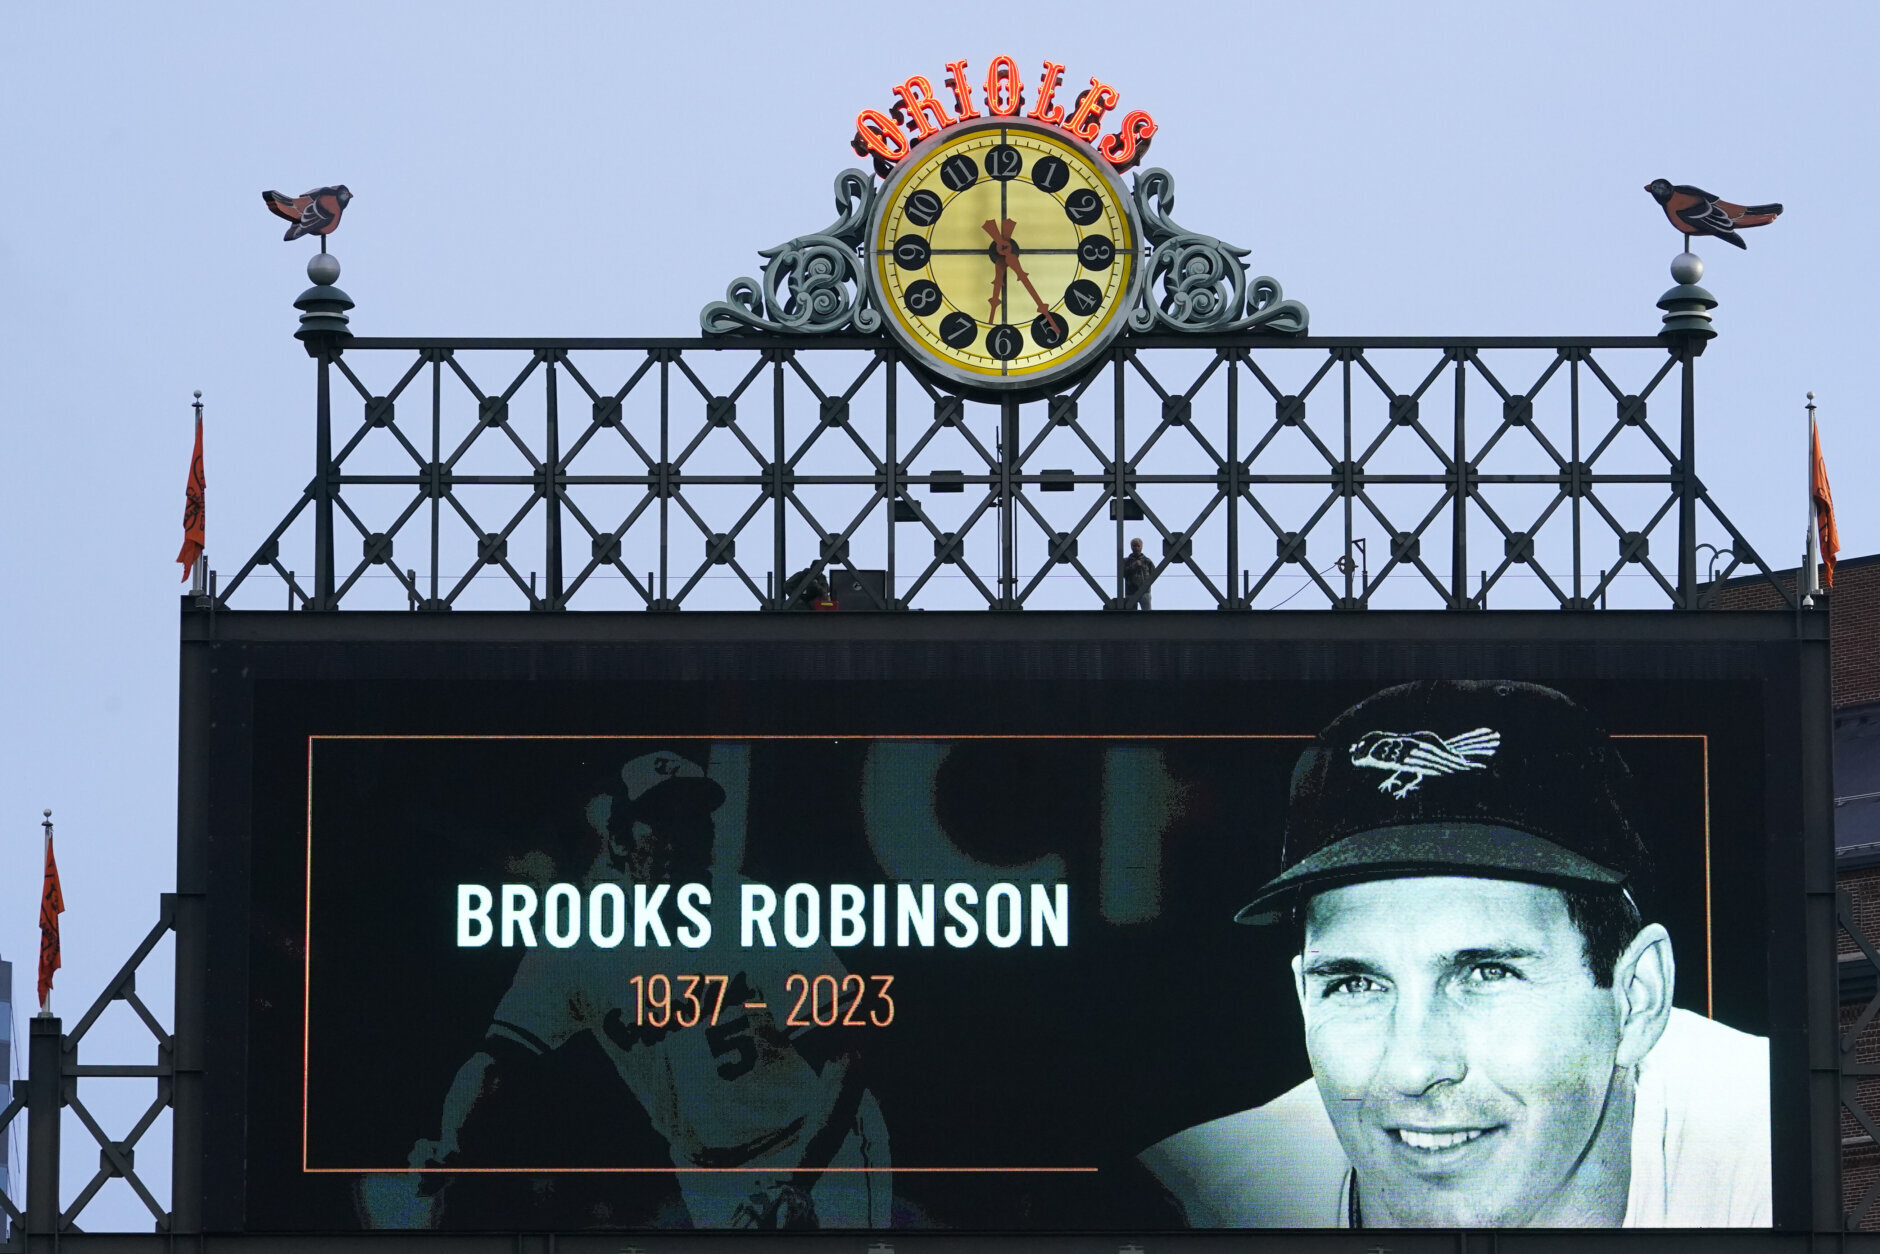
{"points": [[594, 170]]}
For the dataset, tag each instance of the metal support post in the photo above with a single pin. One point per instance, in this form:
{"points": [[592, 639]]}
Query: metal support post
{"points": [[1008, 503], [323, 490], [45, 1098], [1233, 480], [1687, 488], [551, 497], [892, 449], [780, 517], [1459, 518], [665, 471], [1122, 481]]}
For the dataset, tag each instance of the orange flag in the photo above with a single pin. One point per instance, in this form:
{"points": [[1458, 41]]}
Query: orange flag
{"points": [[51, 906], [1823, 499], [193, 505]]}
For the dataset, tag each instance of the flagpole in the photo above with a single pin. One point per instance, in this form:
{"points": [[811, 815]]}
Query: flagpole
{"points": [[45, 1004], [1813, 559], [199, 576]]}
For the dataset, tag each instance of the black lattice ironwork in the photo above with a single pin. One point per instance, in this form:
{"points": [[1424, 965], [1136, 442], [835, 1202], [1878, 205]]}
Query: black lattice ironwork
{"points": [[720, 473], [54, 1077]]}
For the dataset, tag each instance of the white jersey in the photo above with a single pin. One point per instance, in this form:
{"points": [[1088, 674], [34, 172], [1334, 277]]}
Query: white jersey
{"points": [[1700, 1146], [734, 1094]]}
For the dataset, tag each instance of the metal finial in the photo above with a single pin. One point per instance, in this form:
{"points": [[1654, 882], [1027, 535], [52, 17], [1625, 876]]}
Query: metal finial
{"points": [[1687, 267], [47, 813], [323, 268], [199, 393]]}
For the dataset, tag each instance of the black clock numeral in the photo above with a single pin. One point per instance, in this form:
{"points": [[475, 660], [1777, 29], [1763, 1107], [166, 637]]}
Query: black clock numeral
{"points": [[1005, 341], [923, 208], [1050, 175], [1096, 252], [910, 252], [958, 330], [1083, 207], [959, 172], [1083, 297], [921, 298], [1048, 330], [1004, 162]]}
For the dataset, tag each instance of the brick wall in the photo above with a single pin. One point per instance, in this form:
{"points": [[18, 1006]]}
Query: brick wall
{"points": [[1853, 621], [1854, 624], [1860, 1157]]}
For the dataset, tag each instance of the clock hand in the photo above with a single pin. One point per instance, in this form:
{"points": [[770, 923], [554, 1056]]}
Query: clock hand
{"points": [[1026, 280], [1001, 258], [1007, 254]]}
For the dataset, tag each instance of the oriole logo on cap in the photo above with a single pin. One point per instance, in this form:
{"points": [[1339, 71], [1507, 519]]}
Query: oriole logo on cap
{"points": [[1411, 757]]}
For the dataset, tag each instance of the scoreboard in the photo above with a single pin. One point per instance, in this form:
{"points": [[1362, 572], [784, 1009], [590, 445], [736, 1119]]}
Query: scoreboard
{"points": [[932, 921]]}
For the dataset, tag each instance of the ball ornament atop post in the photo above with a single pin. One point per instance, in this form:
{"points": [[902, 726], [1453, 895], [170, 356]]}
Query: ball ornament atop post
{"points": [[1687, 306], [323, 269]]}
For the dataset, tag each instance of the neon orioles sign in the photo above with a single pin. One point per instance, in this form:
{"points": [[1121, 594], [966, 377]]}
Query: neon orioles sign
{"points": [[920, 114]]}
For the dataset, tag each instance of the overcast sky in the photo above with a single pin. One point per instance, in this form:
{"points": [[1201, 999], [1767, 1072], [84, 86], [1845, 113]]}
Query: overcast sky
{"points": [[591, 170]]}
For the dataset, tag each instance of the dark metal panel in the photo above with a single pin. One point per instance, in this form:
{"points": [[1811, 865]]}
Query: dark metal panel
{"points": [[193, 861], [216, 747], [225, 655], [44, 1099], [272, 626], [1815, 737]]}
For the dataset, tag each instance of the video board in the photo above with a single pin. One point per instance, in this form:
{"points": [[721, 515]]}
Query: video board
{"points": [[1464, 937]]}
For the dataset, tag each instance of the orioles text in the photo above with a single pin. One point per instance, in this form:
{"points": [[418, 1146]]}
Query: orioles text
{"points": [[920, 113]]}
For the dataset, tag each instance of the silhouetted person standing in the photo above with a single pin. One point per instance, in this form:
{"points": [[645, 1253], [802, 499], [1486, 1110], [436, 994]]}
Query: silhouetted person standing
{"points": [[1138, 574]]}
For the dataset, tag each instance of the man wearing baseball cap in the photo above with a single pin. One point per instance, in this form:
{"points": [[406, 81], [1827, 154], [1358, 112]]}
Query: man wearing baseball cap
{"points": [[1487, 1010], [659, 821]]}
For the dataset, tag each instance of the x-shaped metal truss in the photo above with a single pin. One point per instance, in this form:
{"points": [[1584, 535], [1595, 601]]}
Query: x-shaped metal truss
{"points": [[117, 1156], [1196, 438]]}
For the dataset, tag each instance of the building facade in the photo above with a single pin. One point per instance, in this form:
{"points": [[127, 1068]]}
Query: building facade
{"points": [[1854, 623]]}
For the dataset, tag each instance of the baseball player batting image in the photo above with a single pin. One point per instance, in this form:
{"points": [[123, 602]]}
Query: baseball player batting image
{"points": [[1487, 1003], [769, 1126]]}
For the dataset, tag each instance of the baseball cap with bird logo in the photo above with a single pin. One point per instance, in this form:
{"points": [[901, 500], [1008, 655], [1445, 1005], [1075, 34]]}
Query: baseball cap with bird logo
{"points": [[1492, 779]]}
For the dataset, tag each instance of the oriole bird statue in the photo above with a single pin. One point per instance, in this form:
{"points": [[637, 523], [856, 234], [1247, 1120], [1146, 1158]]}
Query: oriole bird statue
{"points": [[315, 213], [1695, 211]]}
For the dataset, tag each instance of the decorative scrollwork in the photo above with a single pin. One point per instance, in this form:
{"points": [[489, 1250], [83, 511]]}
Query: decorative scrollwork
{"points": [[812, 285], [1199, 283]]}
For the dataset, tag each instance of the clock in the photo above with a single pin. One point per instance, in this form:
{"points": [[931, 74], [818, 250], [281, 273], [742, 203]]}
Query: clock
{"points": [[1005, 254]]}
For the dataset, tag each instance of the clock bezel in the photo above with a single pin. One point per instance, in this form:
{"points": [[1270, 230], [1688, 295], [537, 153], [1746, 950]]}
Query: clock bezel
{"points": [[1037, 380]]}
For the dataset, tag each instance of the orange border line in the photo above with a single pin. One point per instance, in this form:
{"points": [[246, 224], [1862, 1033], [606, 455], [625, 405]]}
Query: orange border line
{"points": [[815, 736], [619, 1171], [307, 945]]}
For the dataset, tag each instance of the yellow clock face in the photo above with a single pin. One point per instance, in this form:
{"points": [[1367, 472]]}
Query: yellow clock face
{"points": [[1005, 254]]}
